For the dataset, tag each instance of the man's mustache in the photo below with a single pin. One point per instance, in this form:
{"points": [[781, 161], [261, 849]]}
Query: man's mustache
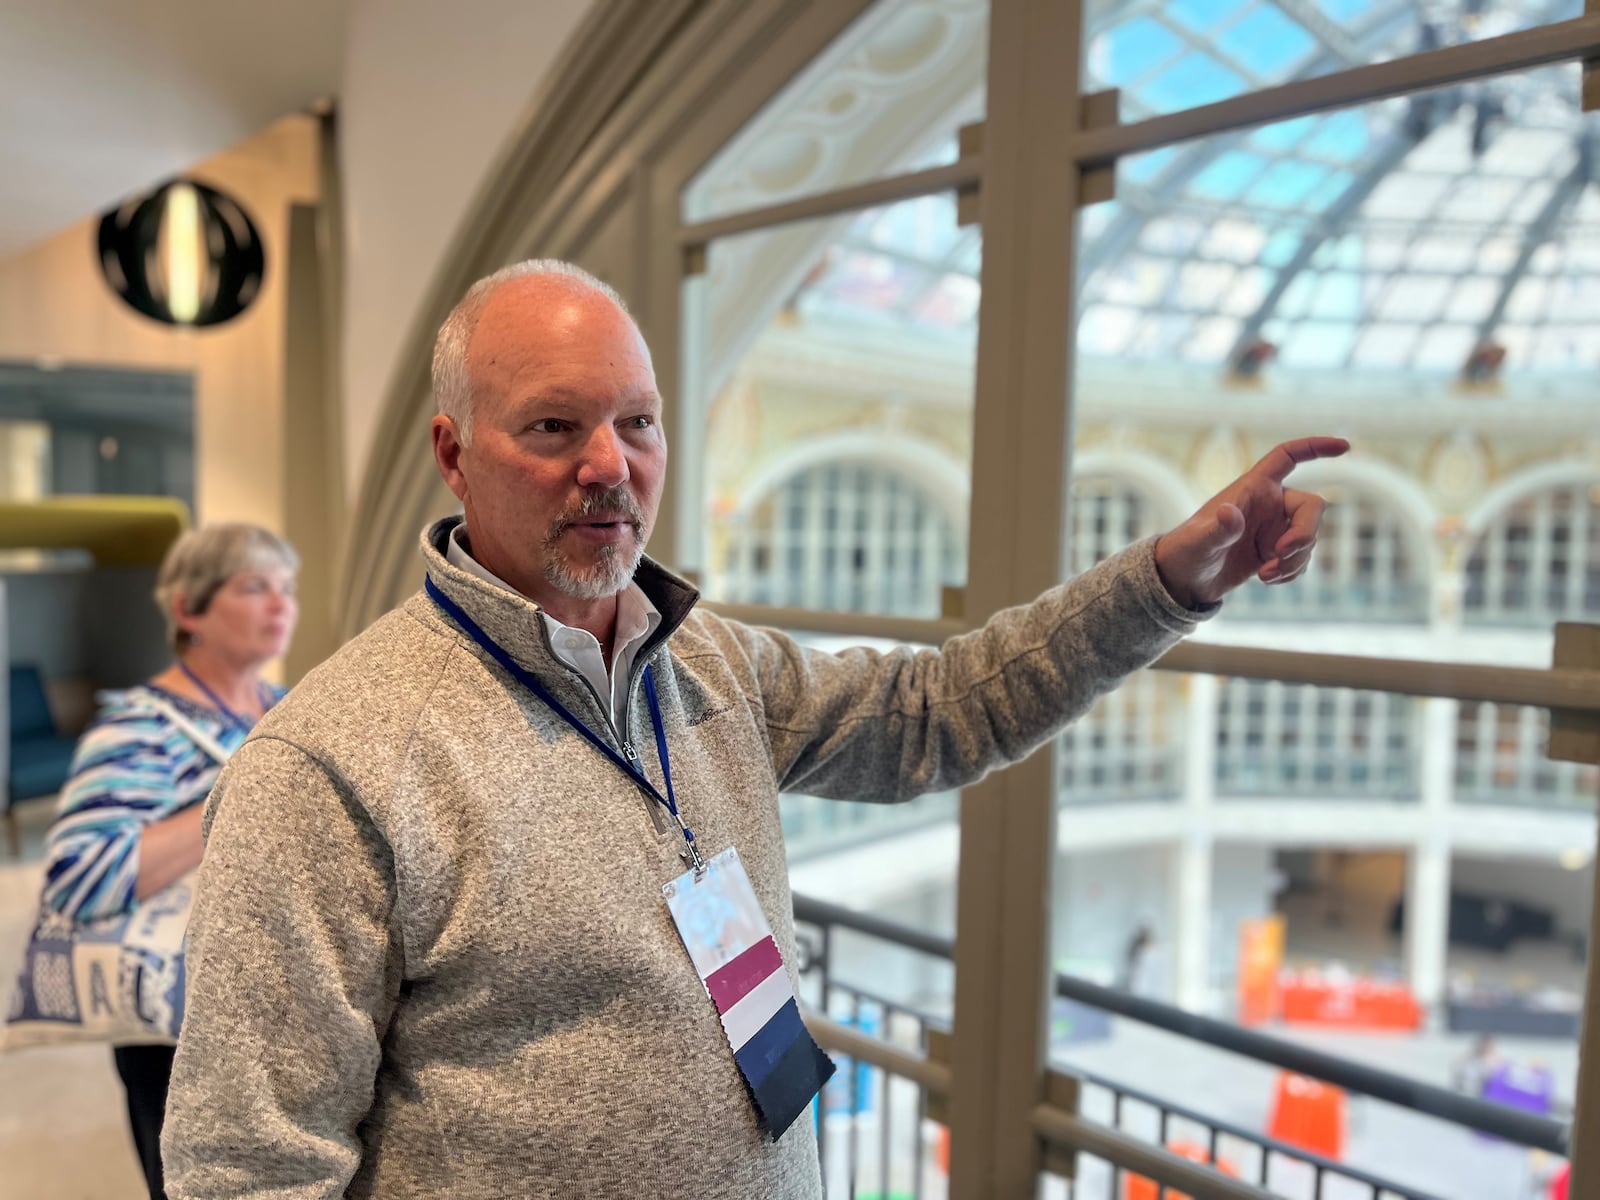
{"points": [[613, 501]]}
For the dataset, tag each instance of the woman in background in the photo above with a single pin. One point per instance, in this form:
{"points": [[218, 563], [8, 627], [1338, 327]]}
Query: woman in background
{"points": [[129, 819]]}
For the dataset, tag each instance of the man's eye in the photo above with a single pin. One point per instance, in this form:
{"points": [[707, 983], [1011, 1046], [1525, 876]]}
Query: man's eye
{"points": [[641, 422], [548, 425]]}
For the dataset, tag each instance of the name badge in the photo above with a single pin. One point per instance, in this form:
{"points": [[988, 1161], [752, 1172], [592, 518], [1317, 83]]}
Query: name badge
{"points": [[733, 951]]}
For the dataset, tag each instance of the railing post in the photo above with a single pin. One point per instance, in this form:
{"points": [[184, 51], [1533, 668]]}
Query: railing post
{"points": [[1196, 848], [1576, 738], [1428, 866]]}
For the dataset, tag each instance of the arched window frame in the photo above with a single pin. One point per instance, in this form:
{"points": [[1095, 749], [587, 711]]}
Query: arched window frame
{"points": [[1489, 599], [925, 471]]}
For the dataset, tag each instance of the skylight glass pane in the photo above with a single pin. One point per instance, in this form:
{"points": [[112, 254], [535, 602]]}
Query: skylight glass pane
{"points": [[1184, 53], [1105, 330], [1518, 341], [1193, 80], [1160, 335], [920, 228], [1316, 344], [1587, 210], [969, 255], [1280, 248], [1343, 137], [1128, 55], [1147, 167], [1211, 340], [1564, 346], [1404, 195], [1384, 253], [1202, 15], [1200, 283], [1337, 296], [1414, 298], [1385, 345], [1530, 301], [1577, 300], [1337, 183], [1481, 199], [1268, 42], [1249, 290], [1531, 153], [1228, 176], [952, 303], [1173, 236], [1445, 348], [1581, 257], [1238, 241], [1498, 254], [1532, 201], [1447, 150], [1298, 296], [1547, 260], [1426, 255], [1453, 255], [1344, 11], [1471, 300], [1298, 185], [1137, 281]]}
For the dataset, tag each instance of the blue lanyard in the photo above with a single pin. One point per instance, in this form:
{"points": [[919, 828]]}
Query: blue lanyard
{"points": [[691, 852], [228, 714]]}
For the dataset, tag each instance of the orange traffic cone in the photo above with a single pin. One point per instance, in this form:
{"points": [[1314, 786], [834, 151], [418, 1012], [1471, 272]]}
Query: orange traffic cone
{"points": [[1309, 1114]]}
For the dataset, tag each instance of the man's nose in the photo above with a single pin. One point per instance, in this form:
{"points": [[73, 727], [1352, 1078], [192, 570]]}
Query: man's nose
{"points": [[603, 464]]}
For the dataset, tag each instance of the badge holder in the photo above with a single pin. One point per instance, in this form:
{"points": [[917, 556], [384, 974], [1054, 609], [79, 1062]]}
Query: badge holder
{"points": [[733, 951]]}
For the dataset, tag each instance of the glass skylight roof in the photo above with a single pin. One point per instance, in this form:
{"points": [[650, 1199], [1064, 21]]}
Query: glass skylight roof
{"points": [[1401, 236]]}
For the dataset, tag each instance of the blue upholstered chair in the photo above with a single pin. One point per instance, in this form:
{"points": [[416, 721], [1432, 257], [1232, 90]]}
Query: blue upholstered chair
{"points": [[40, 757]]}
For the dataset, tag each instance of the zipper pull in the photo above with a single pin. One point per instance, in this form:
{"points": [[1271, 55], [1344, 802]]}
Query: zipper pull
{"points": [[629, 752]]}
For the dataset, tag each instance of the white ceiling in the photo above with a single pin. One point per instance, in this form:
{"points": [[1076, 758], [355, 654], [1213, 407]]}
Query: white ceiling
{"points": [[100, 99]]}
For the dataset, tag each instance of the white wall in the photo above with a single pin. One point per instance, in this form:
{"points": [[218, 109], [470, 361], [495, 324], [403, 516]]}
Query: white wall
{"points": [[1241, 890], [1101, 898], [431, 92]]}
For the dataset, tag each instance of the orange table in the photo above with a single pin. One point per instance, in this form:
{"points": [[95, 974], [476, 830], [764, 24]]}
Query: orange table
{"points": [[1317, 1000]]}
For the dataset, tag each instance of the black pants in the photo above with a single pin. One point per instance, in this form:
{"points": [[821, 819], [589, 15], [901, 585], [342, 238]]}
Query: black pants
{"points": [[145, 1071]]}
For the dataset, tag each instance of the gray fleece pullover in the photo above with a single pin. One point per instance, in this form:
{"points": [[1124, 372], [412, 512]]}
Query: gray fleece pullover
{"points": [[430, 956]]}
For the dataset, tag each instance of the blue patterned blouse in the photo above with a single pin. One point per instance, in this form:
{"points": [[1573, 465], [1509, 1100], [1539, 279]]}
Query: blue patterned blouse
{"points": [[132, 767]]}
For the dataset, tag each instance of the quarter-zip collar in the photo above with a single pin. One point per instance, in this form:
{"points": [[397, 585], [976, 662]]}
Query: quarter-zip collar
{"points": [[513, 620]]}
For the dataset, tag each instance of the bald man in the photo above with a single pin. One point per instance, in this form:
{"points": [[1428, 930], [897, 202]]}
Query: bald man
{"points": [[495, 903]]}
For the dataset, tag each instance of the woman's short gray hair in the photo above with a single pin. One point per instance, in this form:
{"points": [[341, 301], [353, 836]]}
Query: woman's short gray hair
{"points": [[202, 560], [452, 385]]}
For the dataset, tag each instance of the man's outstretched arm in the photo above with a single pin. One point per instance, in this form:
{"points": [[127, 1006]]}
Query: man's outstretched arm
{"points": [[869, 726]]}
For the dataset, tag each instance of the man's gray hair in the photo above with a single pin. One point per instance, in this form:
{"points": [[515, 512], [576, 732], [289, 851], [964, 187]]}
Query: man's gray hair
{"points": [[452, 384], [202, 560]]}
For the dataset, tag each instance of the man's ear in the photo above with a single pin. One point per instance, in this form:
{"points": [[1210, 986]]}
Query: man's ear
{"points": [[447, 448]]}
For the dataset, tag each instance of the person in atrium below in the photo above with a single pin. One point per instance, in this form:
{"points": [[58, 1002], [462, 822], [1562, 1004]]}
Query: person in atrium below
{"points": [[129, 819], [496, 901]]}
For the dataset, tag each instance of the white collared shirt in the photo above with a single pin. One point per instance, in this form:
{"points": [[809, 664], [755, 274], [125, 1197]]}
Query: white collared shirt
{"points": [[577, 648]]}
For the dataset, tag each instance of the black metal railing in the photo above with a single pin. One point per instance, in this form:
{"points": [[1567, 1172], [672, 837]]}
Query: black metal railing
{"points": [[876, 1142]]}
